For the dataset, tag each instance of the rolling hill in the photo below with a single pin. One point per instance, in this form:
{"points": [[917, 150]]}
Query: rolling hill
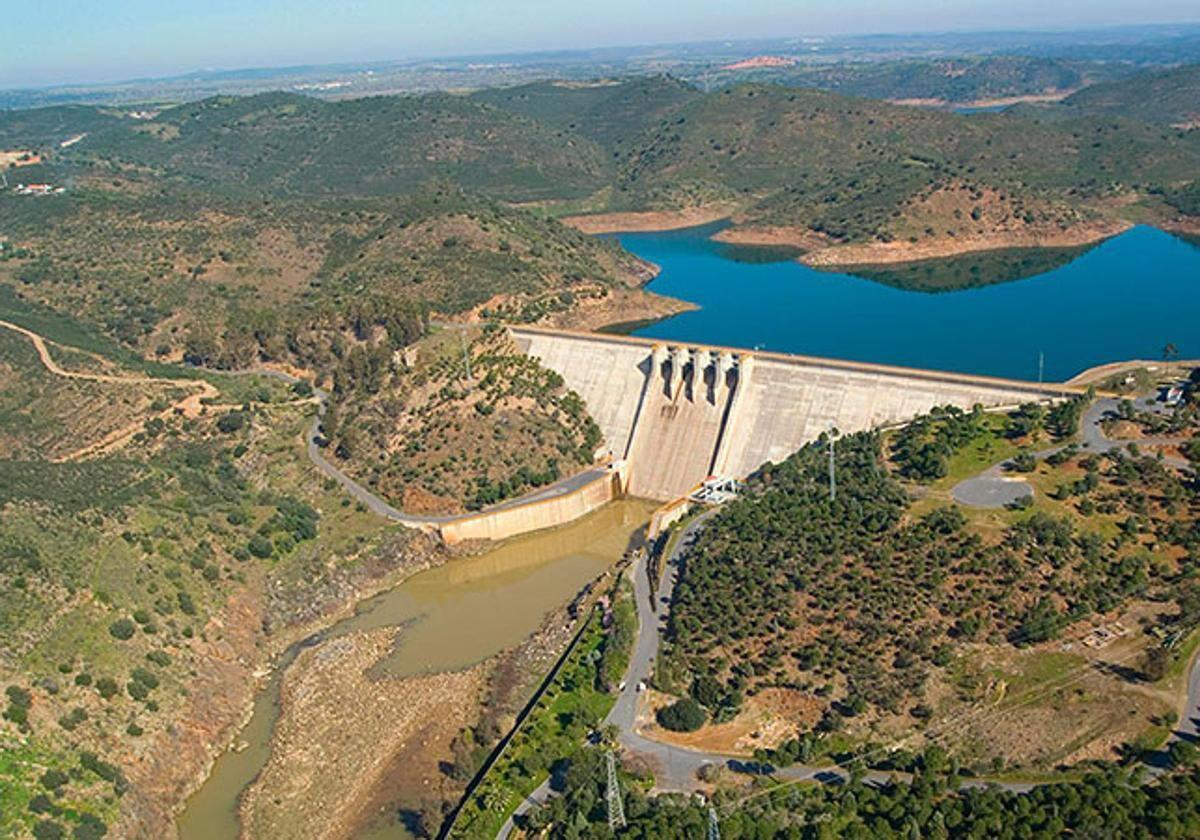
{"points": [[1170, 97]]}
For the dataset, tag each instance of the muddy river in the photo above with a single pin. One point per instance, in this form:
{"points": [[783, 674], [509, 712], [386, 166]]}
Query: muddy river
{"points": [[455, 616]]}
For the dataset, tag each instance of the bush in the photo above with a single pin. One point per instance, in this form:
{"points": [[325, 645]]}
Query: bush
{"points": [[89, 827], [107, 687], [1024, 462], [48, 830], [53, 779], [122, 629], [260, 546], [684, 715], [231, 421], [1183, 753], [145, 677]]}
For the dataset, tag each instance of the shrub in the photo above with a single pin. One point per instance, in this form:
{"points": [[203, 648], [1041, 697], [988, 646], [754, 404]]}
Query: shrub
{"points": [[260, 546], [107, 687], [53, 779], [231, 421], [122, 629], [684, 715], [1183, 753], [48, 830], [89, 827], [145, 677]]}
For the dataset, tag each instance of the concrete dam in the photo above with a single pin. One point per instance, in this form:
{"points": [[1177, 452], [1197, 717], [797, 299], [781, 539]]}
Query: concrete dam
{"points": [[677, 413]]}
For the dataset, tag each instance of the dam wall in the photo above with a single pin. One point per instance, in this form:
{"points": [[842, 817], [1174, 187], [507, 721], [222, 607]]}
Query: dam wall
{"points": [[683, 411], [679, 412], [549, 512]]}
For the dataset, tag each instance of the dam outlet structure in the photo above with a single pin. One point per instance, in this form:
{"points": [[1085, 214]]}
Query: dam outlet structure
{"points": [[677, 413]]}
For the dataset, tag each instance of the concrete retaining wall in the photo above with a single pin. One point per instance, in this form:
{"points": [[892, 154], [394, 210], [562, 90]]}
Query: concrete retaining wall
{"points": [[535, 516], [666, 516]]}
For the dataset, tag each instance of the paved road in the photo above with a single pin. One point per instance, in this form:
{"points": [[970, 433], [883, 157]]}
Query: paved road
{"points": [[378, 506], [994, 487]]}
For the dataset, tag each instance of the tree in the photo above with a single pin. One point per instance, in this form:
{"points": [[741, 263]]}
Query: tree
{"points": [[260, 546], [1155, 661], [684, 715], [708, 691], [1183, 753], [122, 629], [231, 421]]}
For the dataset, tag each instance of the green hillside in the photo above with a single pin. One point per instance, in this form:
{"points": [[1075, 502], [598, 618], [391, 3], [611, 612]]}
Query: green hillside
{"points": [[232, 281], [952, 81], [844, 166], [287, 144], [1170, 97], [612, 113]]}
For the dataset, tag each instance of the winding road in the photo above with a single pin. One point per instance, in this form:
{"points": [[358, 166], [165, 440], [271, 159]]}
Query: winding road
{"points": [[997, 486], [192, 405]]}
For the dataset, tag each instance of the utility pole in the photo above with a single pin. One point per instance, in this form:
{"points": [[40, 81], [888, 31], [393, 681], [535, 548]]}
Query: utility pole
{"points": [[714, 828], [612, 794]]}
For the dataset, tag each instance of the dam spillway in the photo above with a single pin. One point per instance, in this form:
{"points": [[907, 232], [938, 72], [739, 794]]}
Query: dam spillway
{"points": [[679, 412]]}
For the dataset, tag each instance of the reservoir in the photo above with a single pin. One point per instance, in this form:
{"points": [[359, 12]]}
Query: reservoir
{"points": [[993, 314], [454, 616]]}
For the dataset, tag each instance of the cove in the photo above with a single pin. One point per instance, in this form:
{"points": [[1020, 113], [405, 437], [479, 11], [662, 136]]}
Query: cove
{"points": [[453, 616], [990, 314]]}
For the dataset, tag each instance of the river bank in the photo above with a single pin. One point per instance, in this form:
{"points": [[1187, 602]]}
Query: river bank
{"points": [[431, 662], [820, 252], [262, 629], [648, 221]]}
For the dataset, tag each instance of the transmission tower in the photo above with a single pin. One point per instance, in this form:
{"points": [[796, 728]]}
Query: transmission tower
{"points": [[714, 829], [612, 793]]}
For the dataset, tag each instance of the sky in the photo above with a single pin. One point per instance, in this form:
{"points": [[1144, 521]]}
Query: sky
{"points": [[108, 40]]}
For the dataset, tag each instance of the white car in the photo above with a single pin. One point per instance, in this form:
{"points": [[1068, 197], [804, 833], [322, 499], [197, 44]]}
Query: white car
{"points": [[641, 686]]}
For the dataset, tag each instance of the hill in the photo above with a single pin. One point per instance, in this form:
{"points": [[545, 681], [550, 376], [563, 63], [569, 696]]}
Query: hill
{"points": [[288, 144], [610, 112], [1165, 97], [231, 282], [940, 82], [817, 170]]}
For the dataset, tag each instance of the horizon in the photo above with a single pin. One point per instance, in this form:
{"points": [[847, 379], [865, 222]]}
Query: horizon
{"points": [[20, 68]]}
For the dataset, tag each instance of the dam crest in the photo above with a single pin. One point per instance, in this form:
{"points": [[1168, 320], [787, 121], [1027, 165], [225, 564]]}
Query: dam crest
{"points": [[678, 412]]}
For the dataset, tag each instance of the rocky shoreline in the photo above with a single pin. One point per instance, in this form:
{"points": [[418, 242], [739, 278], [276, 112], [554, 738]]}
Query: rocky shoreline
{"points": [[259, 622], [353, 750]]}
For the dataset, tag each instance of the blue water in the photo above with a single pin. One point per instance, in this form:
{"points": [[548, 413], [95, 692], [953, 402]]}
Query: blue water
{"points": [[1126, 298]]}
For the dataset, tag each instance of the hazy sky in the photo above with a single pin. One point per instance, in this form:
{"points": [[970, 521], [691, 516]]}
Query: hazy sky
{"points": [[103, 40]]}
